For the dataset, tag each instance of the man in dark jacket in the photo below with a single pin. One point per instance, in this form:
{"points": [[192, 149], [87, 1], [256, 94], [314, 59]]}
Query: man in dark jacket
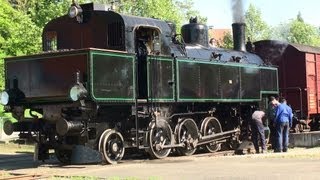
{"points": [[282, 123], [271, 115]]}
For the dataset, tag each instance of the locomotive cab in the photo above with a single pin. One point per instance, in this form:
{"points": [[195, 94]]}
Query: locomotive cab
{"points": [[98, 28], [147, 42]]}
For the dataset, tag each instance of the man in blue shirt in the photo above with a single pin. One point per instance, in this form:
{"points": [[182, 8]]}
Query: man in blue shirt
{"points": [[282, 122]]}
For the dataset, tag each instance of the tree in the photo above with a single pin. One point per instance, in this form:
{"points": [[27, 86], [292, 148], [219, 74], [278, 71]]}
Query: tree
{"points": [[152, 8], [18, 35], [256, 28], [180, 11], [297, 31], [186, 8], [41, 11], [227, 41]]}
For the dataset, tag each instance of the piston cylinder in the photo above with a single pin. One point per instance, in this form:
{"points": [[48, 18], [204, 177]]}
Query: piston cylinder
{"points": [[64, 127]]}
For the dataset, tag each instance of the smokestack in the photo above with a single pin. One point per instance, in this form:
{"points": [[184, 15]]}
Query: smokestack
{"points": [[238, 31]]}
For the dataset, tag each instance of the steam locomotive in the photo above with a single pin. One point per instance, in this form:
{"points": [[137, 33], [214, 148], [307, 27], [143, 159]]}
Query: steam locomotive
{"points": [[108, 82]]}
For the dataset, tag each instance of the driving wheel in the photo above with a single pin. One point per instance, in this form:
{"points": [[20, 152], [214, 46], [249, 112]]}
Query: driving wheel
{"points": [[159, 135], [187, 132], [111, 145], [210, 126]]}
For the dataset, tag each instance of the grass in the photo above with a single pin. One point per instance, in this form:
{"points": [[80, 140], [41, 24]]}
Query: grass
{"points": [[293, 153], [16, 148], [299, 153], [4, 174], [74, 178], [8, 116]]}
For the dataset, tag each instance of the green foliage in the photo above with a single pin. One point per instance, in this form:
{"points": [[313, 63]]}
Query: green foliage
{"points": [[186, 8], [256, 28], [297, 31], [293, 31], [41, 11], [180, 11], [227, 41], [18, 35]]}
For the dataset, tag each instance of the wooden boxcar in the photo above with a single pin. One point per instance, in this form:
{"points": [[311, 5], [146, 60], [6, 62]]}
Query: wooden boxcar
{"points": [[299, 75]]}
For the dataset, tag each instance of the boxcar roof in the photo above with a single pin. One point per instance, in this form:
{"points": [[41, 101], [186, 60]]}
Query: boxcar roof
{"points": [[298, 47], [306, 48]]}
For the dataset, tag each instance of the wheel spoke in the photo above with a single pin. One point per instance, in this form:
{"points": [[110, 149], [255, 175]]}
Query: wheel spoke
{"points": [[112, 146], [158, 136], [187, 132], [211, 126]]}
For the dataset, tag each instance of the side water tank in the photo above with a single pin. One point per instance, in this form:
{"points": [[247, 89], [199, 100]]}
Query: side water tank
{"points": [[195, 33]]}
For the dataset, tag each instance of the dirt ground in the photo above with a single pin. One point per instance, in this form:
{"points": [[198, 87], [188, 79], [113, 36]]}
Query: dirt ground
{"points": [[298, 163]]}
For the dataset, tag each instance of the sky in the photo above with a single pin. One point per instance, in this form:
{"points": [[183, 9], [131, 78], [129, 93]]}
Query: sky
{"points": [[273, 12]]}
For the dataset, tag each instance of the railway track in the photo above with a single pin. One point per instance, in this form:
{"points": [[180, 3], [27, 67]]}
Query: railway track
{"points": [[219, 153]]}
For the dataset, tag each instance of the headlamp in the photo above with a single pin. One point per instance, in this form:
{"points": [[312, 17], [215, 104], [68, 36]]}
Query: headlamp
{"points": [[74, 11], [8, 127], [4, 98], [77, 92]]}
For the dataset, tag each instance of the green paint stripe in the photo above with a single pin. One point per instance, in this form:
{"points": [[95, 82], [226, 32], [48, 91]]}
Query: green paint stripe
{"points": [[154, 58], [45, 57], [269, 92], [161, 99], [112, 99], [217, 100], [126, 57], [269, 68], [224, 64], [112, 54]]}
